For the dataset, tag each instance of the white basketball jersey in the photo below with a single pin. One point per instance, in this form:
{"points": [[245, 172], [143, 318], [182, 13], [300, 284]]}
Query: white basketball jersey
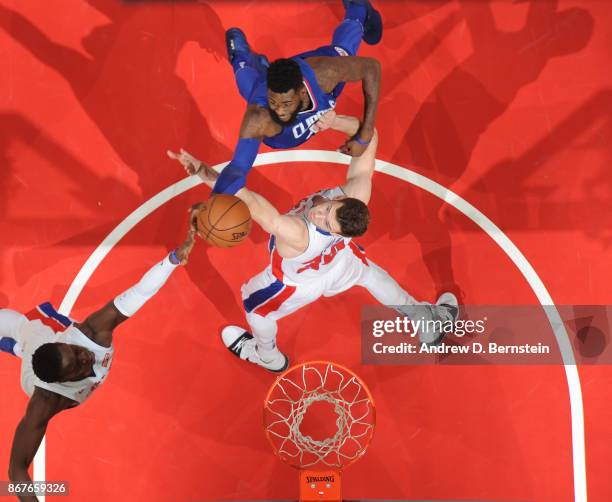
{"points": [[325, 250], [34, 333]]}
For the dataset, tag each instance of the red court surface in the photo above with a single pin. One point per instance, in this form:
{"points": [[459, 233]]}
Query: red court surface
{"points": [[508, 104]]}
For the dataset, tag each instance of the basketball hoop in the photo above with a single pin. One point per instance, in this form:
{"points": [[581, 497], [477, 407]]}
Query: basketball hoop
{"points": [[319, 418]]}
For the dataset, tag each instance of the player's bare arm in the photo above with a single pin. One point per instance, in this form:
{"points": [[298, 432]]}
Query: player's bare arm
{"points": [[257, 123], [43, 405], [330, 71], [100, 325], [359, 175], [290, 232], [342, 123]]}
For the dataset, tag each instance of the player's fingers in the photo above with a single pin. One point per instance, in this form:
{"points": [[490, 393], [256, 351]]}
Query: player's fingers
{"points": [[195, 209], [172, 155]]}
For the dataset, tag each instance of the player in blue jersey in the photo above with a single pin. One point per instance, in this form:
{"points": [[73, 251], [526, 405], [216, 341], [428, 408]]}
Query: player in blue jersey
{"points": [[286, 98]]}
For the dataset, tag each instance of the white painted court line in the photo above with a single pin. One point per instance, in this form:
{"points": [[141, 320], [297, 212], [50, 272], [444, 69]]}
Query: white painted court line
{"points": [[492, 230]]}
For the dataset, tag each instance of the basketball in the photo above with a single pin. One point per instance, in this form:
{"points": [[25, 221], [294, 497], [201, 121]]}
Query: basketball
{"points": [[224, 221]]}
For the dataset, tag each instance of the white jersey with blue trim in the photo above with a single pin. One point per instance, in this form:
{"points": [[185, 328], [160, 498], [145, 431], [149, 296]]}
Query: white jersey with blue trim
{"points": [[37, 332], [324, 250]]}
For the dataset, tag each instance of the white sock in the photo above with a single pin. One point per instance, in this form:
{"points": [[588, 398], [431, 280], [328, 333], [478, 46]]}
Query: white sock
{"points": [[268, 354], [264, 330], [130, 301]]}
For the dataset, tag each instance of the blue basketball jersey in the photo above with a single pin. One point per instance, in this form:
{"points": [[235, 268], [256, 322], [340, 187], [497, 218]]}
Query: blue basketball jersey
{"points": [[297, 133]]}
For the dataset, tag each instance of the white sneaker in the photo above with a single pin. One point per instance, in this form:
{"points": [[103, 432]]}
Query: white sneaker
{"points": [[446, 310], [242, 344], [450, 307]]}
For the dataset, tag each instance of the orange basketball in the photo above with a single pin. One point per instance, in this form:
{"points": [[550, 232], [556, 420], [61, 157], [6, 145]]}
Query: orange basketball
{"points": [[224, 221]]}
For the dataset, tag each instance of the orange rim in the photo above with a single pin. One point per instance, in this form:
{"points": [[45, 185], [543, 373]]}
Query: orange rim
{"points": [[320, 362]]}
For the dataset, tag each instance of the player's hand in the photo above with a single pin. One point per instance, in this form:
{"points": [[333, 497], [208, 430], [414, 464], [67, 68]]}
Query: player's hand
{"points": [[189, 162], [353, 148], [325, 121], [183, 251], [208, 174], [194, 211]]}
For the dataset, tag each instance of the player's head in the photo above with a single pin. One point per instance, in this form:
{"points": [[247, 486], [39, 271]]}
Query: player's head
{"points": [[286, 91], [343, 216], [62, 362]]}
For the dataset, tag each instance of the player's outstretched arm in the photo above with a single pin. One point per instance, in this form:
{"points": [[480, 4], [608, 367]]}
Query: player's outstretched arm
{"points": [[254, 126], [289, 231], [359, 175], [331, 71], [99, 326], [343, 123], [43, 405]]}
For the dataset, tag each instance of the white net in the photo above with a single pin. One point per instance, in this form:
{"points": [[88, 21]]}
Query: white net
{"points": [[319, 415]]}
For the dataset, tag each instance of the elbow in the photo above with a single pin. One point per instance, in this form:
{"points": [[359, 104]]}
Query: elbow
{"points": [[18, 471], [13, 471]]}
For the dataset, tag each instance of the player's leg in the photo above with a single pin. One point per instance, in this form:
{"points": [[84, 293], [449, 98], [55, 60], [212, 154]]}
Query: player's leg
{"points": [[387, 291], [361, 22], [264, 307], [383, 287], [99, 326], [10, 323], [249, 67], [257, 344], [263, 322]]}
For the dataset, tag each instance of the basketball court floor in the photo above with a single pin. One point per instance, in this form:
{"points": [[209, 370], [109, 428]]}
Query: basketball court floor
{"points": [[504, 105]]}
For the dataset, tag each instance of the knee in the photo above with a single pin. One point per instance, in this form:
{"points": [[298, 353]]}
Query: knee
{"points": [[262, 327], [259, 320]]}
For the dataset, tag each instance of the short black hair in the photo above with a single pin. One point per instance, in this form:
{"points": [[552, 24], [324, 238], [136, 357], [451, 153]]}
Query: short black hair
{"points": [[47, 363], [353, 217], [284, 75]]}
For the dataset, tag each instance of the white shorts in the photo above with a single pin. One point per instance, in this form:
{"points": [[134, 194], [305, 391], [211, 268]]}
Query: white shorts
{"points": [[268, 296]]}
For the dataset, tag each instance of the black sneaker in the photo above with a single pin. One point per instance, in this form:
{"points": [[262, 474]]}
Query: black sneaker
{"points": [[242, 344], [238, 47], [372, 27]]}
